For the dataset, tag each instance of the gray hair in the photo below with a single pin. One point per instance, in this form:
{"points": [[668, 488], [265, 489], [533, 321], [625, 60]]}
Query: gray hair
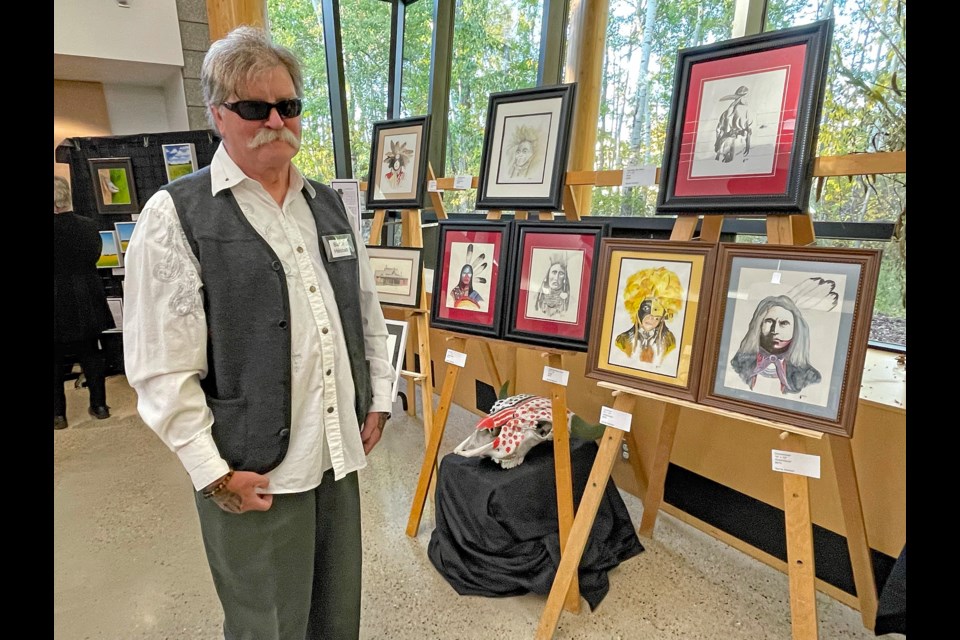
{"points": [[62, 198], [239, 57]]}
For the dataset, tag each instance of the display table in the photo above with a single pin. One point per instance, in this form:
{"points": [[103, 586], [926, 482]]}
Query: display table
{"points": [[497, 533]]}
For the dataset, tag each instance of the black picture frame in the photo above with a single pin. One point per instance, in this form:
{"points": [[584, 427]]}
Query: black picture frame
{"points": [[405, 141], [552, 284], [114, 187], [486, 247], [743, 124], [536, 123]]}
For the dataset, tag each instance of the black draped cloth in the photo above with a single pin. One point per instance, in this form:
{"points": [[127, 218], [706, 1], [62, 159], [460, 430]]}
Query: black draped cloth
{"points": [[497, 532], [892, 606]]}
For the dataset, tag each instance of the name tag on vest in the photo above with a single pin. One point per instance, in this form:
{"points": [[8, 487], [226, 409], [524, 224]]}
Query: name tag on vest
{"points": [[339, 247]]}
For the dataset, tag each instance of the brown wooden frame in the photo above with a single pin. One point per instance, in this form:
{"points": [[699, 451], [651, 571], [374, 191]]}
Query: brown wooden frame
{"points": [[827, 401], [699, 259]]}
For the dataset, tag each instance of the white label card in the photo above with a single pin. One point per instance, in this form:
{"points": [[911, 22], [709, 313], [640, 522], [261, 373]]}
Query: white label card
{"points": [[616, 419], [639, 176], [556, 376], [462, 182], [432, 186], [456, 358], [801, 464]]}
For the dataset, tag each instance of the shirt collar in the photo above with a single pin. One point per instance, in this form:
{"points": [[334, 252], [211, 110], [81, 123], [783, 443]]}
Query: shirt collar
{"points": [[225, 174]]}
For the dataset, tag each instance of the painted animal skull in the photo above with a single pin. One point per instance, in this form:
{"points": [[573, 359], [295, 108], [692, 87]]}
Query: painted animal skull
{"points": [[514, 426]]}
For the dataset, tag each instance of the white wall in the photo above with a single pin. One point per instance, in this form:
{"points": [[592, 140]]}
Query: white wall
{"points": [[136, 109], [147, 31]]}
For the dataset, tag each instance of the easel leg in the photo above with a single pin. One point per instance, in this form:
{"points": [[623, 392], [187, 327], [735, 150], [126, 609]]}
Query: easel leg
{"points": [[564, 477], [863, 578], [583, 523], [429, 465], [800, 567], [658, 474]]}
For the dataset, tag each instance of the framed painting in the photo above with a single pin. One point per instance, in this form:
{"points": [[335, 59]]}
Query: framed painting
{"points": [[789, 333], [116, 310], [743, 124], [179, 159], [398, 274], [396, 348], [553, 282], [398, 164], [113, 185], [649, 324], [110, 255], [468, 285], [525, 148], [124, 233]]}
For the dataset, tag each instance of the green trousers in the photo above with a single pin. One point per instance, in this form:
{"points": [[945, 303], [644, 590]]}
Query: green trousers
{"points": [[292, 572]]}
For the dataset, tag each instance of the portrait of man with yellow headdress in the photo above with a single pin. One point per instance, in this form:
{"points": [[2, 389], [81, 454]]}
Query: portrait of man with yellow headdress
{"points": [[652, 297]]}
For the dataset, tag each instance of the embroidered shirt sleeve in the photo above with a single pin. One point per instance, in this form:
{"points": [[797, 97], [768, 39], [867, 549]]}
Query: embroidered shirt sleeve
{"points": [[165, 339]]}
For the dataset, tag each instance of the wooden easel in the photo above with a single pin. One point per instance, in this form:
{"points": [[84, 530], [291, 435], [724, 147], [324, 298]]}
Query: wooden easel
{"points": [[561, 435], [411, 235], [785, 229]]}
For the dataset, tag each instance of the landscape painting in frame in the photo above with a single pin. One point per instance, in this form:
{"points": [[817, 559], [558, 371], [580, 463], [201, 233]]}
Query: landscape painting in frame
{"points": [[179, 160], [468, 291], [743, 124], [398, 164], [789, 333], [552, 295], [110, 256], [525, 149], [113, 185], [124, 233], [396, 348], [650, 316], [398, 274]]}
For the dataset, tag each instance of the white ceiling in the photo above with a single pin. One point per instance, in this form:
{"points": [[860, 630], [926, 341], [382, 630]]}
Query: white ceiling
{"points": [[86, 69]]}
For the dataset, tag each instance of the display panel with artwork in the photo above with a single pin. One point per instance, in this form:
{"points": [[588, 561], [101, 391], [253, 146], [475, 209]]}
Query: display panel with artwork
{"points": [[398, 164], [649, 320], [789, 333], [525, 148], [743, 123], [468, 288], [553, 283]]}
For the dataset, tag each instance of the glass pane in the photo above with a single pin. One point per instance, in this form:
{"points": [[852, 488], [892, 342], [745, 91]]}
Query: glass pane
{"points": [[366, 69], [864, 111], [417, 43], [296, 26], [496, 47], [643, 38]]}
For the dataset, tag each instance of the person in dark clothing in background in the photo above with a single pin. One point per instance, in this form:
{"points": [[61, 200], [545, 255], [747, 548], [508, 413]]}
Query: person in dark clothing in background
{"points": [[80, 311]]}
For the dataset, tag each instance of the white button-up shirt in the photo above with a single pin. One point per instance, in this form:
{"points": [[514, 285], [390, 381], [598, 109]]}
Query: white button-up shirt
{"points": [[165, 336]]}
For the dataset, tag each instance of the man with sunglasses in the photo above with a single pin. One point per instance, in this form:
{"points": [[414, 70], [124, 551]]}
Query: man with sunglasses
{"points": [[255, 341]]}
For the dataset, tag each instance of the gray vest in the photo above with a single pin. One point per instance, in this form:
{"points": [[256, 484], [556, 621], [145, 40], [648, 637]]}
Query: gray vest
{"points": [[248, 317]]}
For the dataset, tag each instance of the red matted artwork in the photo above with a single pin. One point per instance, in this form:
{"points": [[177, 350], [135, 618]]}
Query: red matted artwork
{"points": [[744, 122], [468, 291], [552, 289]]}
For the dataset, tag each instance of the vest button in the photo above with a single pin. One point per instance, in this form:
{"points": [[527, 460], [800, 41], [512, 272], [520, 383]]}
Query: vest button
{"points": [[282, 324], [299, 249], [329, 371], [284, 433], [329, 409], [324, 331], [313, 289], [276, 265]]}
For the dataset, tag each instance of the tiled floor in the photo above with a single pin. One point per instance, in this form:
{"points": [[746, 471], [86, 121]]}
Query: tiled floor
{"points": [[129, 565]]}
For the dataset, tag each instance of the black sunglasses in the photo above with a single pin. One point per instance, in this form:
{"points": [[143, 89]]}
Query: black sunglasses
{"points": [[260, 110]]}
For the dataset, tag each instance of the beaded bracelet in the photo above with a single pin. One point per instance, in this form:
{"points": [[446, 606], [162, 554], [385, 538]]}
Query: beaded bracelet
{"points": [[220, 485]]}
